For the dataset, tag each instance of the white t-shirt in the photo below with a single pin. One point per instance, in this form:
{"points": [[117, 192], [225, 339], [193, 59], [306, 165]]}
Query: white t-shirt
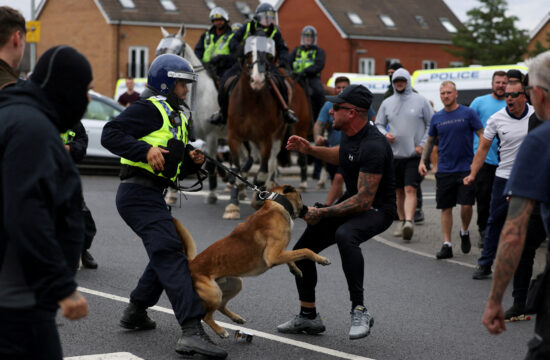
{"points": [[510, 133]]}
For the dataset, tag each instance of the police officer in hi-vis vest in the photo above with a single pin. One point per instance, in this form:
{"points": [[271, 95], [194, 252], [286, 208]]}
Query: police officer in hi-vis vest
{"points": [[308, 60], [213, 45], [151, 137]]}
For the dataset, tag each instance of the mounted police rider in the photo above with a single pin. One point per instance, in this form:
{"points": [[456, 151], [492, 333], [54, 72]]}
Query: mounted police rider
{"points": [[265, 19], [151, 138], [213, 45], [308, 60]]}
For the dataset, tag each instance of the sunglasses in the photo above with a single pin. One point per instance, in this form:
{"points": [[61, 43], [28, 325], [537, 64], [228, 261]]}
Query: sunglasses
{"points": [[514, 94], [337, 107]]}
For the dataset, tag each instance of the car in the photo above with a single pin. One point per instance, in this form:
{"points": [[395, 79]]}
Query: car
{"points": [[100, 110]]}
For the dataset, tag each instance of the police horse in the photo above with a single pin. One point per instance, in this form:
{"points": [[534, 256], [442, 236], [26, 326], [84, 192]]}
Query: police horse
{"points": [[254, 115]]}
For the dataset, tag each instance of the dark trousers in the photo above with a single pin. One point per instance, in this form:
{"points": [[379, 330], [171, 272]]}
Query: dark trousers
{"points": [[522, 277], [497, 216], [539, 346], [144, 210], [347, 233], [316, 94], [484, 183], [29, 334], [89, 226]]}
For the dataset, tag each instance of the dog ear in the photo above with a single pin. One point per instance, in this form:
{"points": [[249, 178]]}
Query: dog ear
{"points": [[288, 189]]}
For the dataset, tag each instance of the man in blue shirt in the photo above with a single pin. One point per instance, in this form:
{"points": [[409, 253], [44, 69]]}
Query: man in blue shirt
{"points": [[454, 125], [485, 106], [529, 183]]}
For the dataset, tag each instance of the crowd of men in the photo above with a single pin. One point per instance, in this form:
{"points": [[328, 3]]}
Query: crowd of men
{"points": [[380, 159]]}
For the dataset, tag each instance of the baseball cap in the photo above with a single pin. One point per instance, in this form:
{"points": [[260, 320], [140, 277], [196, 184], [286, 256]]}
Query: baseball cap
{"points": [[357, 95], [515, 74]]}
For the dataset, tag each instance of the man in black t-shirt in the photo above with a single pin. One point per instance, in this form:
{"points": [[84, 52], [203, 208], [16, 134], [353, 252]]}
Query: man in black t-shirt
{"points": [[366, 209]]}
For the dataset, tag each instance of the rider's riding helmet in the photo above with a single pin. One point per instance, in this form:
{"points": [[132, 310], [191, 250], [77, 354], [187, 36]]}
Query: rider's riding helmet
{"points": [[166, 70], [219, 13], [309, 36], [265, 15]]}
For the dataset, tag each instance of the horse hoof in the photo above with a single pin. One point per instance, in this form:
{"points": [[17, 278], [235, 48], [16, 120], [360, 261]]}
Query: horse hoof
{"points": [[242, 196], [232, 212], [302, 189], [211, 198]]}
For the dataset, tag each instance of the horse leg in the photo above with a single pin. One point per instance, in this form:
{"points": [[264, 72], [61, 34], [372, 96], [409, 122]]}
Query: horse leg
{"points": [[272, 163], [232, 211], [302, 163]]}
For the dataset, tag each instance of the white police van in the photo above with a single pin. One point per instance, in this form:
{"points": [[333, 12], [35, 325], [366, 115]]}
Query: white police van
{"points": [[377, 84], [120, 87]]}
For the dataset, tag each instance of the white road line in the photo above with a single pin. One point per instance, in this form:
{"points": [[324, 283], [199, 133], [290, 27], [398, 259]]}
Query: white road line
{"points": [[431, 256], [111, 356], [257, 333]]}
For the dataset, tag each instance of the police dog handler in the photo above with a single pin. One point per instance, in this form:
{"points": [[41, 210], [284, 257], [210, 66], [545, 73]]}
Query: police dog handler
{"points": [[366, 209], [151, 138]]}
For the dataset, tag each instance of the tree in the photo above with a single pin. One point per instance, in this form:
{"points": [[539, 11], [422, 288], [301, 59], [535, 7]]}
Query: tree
{"points": [[489, 37], [539, 48]]}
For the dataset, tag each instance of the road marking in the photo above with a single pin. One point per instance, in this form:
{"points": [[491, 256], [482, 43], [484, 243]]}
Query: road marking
{"points": [[111, 356], [257, 333], [431, 256]]}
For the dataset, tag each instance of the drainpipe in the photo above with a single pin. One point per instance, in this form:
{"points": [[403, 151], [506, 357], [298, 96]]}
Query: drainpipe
{"points": [[351, 55], [117, 50]]}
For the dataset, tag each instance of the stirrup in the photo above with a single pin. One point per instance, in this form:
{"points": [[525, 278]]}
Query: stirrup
{"points": [[290, 117]]}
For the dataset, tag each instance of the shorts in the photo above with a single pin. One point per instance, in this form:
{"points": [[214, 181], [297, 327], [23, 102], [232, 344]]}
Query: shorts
{"points": [[406, 172], [450, 190]]}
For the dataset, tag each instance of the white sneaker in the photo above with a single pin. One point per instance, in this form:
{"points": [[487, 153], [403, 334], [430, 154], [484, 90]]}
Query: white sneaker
{"points": [[361, 323]]}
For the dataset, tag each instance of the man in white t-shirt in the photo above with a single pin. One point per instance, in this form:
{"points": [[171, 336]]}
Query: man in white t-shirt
{"points": [[510, 126]]}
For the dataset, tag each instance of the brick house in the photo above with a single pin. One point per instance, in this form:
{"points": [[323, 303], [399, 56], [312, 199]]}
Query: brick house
{"points": [[541, 33], [365, 36], [120, 37]]}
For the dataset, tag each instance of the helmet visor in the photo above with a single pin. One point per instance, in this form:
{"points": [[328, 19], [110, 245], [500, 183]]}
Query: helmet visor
{"points": [[267, 18], [182, 75]]}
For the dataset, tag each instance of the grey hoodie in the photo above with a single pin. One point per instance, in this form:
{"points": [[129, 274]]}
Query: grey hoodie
{"points": [[407, 115]]}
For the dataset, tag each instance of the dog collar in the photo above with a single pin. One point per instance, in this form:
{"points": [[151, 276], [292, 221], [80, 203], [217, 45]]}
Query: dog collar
{"points": [[265, 195]]}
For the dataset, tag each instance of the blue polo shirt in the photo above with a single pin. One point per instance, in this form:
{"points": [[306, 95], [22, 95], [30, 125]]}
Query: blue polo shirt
{"points": [[485, 106]]}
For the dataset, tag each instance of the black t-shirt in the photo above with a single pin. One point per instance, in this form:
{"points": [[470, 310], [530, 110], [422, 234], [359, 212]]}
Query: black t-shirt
{"points": [[369, 152]]}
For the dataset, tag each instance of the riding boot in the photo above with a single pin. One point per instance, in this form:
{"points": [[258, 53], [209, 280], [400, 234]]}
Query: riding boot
{"points": [[289, 116], [217, 119]]}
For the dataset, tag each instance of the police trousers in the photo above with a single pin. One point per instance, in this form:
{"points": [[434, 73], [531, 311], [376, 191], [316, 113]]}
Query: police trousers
{"points": [[143, 208]]}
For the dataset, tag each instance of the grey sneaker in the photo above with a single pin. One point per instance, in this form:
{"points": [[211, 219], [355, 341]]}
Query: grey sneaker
{"points": [[361, 323], [301, 324]]}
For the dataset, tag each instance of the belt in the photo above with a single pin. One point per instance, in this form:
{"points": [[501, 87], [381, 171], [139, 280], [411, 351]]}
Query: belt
{"points": [[140, 180]]}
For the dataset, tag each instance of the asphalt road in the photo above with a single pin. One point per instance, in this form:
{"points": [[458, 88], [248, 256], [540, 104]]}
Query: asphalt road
{"points": [[423, 308]]}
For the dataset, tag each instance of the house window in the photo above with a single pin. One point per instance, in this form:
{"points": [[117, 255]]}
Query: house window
{"points": [[456, 64], [420, 20], [168, 5], [387, 20], [366, 66], [389, 62], [429, 64], [354, 18], [127, 4], [447, 25], [210, 4], [138, 61]]}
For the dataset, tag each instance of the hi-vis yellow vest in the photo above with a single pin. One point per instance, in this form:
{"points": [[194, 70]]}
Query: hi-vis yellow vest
{"points": [[249, 25], [67, 136], [220, 47], [161, 136], [304, 59]]}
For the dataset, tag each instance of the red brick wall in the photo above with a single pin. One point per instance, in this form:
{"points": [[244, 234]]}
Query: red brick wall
{"points": [[540, 36]]}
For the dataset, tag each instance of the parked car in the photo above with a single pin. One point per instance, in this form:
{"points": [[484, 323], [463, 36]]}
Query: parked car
{"points": [[100, 110]]}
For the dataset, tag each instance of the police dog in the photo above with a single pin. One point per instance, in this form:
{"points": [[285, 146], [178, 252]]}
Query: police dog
{"points": [[252, 248]]}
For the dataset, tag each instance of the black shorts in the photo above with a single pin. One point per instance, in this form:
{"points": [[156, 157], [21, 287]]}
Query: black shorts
{"points": [[406, 172], [450, 190]]}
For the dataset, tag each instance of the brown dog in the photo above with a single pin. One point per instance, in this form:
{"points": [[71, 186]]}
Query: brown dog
{"points": [[252, 248]]}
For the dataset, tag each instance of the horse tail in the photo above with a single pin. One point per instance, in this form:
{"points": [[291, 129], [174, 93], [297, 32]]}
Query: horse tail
{"points": [[187, 242]]}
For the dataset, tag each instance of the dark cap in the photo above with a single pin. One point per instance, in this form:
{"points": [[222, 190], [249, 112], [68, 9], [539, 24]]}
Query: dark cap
{"points": [[514, 74], [357, 95], [395, 66]]}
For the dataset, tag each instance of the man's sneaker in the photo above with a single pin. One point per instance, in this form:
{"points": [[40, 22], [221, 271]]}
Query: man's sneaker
{"points": [[302, 324], [136, 318], [407, 230], [88, 260], [516, 313], [446, 252], [482, 272], [361, 323], [290, 117], [465, 244], [194, 340], [481, 239], [418, 216], [399, 229], [217, 119]]}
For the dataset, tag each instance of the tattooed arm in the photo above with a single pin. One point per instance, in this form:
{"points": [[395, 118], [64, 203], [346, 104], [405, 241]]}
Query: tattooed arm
{"points": [[367, 184], [510, 247]]}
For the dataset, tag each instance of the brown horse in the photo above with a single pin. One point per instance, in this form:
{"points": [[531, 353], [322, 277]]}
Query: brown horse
{"points": [[254, 115]]}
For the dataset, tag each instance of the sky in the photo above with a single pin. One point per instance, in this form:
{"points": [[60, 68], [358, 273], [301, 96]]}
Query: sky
{"points": [[529, 12]]}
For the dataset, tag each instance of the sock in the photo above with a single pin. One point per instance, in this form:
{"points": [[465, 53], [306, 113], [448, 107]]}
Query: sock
{"points": [[462, 232], [448, 244], [309, 313]]}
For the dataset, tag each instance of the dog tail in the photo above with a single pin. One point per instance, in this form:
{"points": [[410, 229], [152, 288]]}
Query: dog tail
{"points": [[187, 242]]}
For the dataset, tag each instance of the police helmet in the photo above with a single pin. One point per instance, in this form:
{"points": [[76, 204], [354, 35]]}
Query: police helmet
{"points": [[265, 14], [236, 26], [166, 69], [219, 13], [309, 32]]}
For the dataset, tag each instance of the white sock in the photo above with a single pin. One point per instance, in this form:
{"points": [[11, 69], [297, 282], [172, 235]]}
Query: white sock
{"points": [[462, 232], [446, 243]]}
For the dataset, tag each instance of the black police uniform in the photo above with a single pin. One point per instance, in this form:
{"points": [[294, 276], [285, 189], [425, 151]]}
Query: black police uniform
{"points": [[311, 75]]}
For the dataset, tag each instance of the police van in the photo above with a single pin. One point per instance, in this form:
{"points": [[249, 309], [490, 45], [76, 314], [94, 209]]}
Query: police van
{"points": [[120, 87], [377, 84]]}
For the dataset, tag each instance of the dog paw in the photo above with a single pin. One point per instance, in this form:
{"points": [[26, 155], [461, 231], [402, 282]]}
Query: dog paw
{"points": [[224, 334], [239, 320], [324, 261]]}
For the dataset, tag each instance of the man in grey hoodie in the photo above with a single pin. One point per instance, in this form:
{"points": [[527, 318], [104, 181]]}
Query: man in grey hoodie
{"points": [[404, 119]]}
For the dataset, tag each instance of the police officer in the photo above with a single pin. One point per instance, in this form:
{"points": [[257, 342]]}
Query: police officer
{"points": [[308, 60], [265, 19], [213, 45], [151, 138]]}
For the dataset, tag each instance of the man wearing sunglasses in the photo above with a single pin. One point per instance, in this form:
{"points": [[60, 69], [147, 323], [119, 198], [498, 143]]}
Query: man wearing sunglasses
{"points": [[529, 183], [510, 126], [365, 210]]}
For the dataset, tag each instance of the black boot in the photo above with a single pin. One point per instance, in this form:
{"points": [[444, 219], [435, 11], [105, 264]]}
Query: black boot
{"points": [[194, 339], [88, 260], [136, 318], [217, 119], [290, 117]]}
